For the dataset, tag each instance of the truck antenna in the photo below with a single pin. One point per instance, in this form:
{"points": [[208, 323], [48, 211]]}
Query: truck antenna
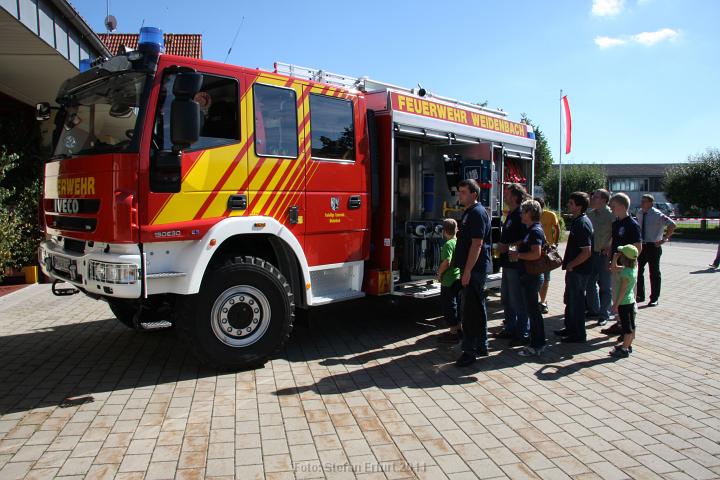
{"points": [[234, 38]]}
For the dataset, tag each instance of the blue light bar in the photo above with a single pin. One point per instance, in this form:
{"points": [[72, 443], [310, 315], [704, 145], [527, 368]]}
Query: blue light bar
{"points": [[85, 64], [151, 38]]}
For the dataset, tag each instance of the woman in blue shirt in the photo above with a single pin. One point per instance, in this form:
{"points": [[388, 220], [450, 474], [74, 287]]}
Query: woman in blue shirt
{"points": [[529, 249]]}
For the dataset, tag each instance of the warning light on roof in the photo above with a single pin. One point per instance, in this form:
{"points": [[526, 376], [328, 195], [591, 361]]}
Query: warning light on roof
{"points": [[85, 64], [151, 39]]}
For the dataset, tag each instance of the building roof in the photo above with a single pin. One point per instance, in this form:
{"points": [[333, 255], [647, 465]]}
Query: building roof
{"points": [[637, 169], [182, 44]]}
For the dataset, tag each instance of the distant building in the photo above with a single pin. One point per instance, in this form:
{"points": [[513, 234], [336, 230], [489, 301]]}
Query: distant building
{"points": [[637, 179], [181, 44]]}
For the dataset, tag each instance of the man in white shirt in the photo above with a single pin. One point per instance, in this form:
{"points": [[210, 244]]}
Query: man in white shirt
{"points": [[656, 228]]}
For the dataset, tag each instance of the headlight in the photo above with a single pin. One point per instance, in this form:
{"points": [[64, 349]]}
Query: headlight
{"points": [[113, 272]]}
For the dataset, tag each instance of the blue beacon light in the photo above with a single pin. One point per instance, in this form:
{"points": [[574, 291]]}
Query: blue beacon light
{"points": [[151, 38]]}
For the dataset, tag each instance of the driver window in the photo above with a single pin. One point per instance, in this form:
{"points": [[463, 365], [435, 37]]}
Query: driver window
{"points": [[218, 100]]}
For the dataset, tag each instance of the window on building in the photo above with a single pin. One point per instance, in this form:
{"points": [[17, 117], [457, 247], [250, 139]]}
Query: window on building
{"points": [[332, 128], [275, 111], [218, 100], [629, 185]]}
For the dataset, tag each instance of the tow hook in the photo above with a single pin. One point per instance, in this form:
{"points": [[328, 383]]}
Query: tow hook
{"points": [[63, 292]]}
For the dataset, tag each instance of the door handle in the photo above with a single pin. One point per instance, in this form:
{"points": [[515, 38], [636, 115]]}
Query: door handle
{"points": [[237, 202], [293, 215], [354, 202]]}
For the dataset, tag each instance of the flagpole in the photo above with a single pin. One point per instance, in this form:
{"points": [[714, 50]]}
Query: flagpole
{"points": [[560, 152]]}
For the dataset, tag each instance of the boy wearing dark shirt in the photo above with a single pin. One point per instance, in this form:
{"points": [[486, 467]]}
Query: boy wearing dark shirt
{"points": [[625, 231]]}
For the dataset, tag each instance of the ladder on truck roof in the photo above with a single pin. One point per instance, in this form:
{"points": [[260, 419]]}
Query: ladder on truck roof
{"points": [[365, 84]]}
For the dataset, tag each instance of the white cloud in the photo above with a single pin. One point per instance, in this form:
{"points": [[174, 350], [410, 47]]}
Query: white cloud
{"points": [[647, 39], [606, 8], [651, 38], [607, 42]]}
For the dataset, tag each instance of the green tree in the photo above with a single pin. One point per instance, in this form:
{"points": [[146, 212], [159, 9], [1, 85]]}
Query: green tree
{"points": [[696, 184], [543, 156], [575, 178]]}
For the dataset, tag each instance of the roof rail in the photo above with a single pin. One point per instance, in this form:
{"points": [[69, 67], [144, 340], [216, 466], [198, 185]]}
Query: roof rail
{"points": [[365, 84]]}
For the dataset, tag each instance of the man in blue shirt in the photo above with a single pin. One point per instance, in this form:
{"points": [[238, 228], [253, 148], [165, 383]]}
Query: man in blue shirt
{"points": [[578, 268], [513, 231], [472, 257], [656, 228]]}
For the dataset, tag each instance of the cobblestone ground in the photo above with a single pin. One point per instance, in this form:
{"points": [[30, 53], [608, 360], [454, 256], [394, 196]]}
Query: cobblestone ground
{"points": [[364, 391]]}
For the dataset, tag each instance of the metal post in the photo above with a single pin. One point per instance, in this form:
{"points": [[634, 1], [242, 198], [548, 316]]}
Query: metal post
{"points": [[560, 152]]}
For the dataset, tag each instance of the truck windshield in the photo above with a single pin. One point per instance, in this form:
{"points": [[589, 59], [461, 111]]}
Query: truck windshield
{"points": [[100, 118]]}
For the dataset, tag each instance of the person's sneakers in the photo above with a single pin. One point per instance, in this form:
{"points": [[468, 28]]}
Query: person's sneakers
{"points": [[465, 360], [504, 334], [532, 351], [573, 340], [612, 329], [563, 332], [712, 265], [543, 308], [602, 322], [619, 352], [653, 303]]}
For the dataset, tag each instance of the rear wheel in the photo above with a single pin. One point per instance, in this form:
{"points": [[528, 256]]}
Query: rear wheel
{"points": [[243, 313]]}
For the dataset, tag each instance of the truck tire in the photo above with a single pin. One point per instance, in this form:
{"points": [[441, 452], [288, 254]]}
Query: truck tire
{"points": [[153, 310], [123, 311], [243, 314]]}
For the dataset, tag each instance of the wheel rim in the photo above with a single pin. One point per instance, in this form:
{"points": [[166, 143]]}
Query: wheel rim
{"points": [[240, 316]]}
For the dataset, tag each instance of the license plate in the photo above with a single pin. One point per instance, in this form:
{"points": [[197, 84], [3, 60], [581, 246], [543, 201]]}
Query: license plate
{"points": [[62, 263]]}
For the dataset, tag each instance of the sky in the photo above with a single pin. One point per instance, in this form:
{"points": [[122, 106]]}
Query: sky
{"points": [[642, 76]]}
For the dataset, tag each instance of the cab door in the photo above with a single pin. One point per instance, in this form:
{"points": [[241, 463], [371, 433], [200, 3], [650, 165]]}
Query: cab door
{"points": [[337, 184], [276, 158]]}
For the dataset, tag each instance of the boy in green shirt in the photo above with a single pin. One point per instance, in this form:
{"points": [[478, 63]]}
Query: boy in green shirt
{"points": [[626, 274], [450, 286]]}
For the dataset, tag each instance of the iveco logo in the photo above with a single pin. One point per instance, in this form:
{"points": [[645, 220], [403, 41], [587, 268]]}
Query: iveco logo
{"points": [[334, 203], [67, 205]]}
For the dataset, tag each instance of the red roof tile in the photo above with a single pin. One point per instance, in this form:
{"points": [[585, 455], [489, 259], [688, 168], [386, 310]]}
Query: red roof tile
{"points": [[183, 44]]}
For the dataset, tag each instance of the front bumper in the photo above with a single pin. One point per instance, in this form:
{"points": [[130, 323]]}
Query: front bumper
{"points": [[72, 267]]}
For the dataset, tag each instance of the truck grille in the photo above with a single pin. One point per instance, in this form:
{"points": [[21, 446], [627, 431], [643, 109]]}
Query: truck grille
{"points": [[73, 223]]}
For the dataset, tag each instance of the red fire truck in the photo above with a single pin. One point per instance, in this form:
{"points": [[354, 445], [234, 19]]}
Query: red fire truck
{"points": [[221, 199]]}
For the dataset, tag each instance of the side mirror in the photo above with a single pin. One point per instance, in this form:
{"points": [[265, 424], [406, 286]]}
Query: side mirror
{"points": [[165, 172], [184, 123], [42, 111], [187, 84], [185, 117]]}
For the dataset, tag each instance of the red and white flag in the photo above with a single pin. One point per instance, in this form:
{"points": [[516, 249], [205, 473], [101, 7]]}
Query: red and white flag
{"points": [[568, 124]]}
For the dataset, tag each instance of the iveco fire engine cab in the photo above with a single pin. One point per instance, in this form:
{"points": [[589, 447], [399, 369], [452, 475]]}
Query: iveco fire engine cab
{"points": [[221, 199]]}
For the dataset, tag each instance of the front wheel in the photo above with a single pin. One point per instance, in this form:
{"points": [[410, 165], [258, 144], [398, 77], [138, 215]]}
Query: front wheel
{"points": [[243, 313]]}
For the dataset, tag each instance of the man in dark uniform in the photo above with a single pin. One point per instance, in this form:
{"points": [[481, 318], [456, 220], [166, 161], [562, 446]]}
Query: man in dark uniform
{"points": [[578, 268], [472, 257], [516, 323]]}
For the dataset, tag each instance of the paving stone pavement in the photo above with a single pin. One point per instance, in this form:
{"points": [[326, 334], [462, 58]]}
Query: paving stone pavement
{"points": [[363, 391]]}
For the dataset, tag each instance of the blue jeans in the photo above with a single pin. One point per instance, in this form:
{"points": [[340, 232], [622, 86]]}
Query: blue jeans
{"points": [[450, 300], [530, 288], [474, 314], [516, 318], [599, 292], [575, 286]]}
